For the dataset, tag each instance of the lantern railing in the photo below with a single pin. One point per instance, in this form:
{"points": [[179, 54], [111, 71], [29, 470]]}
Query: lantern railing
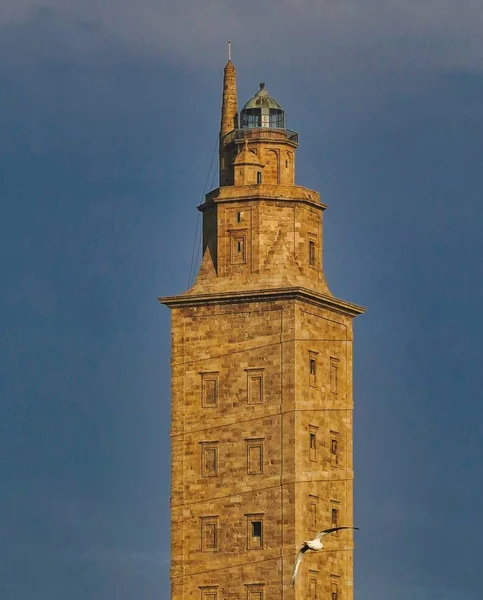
{"points": [[240, 135]]}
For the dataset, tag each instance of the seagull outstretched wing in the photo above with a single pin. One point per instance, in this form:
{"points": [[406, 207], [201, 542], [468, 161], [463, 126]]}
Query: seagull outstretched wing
{"points": [[298, 560], [331, 530]]}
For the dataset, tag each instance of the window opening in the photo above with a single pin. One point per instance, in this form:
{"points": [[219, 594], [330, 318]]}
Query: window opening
{"points": [[334, 365], [209, 389], [209, 459], [254, 591], [312, 443], [313, 500], [311, 253], [254, 456], [209, 592], [209, 534], [255, 386], [256, 529], [334, 452], [313, 588], [334, 587], [238, 248], [312, 369], [334, 516]]}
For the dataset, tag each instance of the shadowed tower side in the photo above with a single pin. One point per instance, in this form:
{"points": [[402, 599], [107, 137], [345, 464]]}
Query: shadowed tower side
{"points": [[261, 410]]}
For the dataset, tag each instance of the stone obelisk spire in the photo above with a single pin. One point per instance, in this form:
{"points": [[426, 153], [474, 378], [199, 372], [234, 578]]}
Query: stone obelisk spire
{"points": [[229, 114], [229, 117]]}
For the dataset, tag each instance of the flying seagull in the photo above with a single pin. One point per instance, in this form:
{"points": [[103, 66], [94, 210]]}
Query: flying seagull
{"points": [[315, 545]]}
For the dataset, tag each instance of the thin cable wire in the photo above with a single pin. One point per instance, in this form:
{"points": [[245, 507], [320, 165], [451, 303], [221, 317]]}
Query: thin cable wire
{"points": [[194, 250], [249, 349], [198, 245], [198, 252]]}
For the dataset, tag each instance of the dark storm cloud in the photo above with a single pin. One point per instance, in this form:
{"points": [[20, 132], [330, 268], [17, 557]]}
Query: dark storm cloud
{"points": [[430, 33]]}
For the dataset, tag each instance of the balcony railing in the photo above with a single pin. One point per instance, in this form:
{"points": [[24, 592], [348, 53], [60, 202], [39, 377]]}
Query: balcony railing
{"points": [[240, 135]]}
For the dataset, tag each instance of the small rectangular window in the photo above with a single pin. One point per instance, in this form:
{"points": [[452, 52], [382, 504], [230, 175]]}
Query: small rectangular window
{"points": [[255, 386], [334, 365], [209, 459], [334, 449], [209, 534], [313, 587], [254, 456], [209, 592], [255, 531], [255, 391], [238, 217], [209, 389], [313, 369], [312, 443], [312, 253], [334, 515], [259, 177], [334, 585], [238, 248], [211, 392], [254, 591]]}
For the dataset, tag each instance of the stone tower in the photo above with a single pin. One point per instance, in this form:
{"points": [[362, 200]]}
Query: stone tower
{"points": [[261, 421]]}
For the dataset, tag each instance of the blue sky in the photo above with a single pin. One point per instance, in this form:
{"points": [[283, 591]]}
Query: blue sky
{"points": [[110, 113]]}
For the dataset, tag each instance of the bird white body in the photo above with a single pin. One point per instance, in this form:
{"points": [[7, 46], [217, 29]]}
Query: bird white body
{"points": [[316, 545]]}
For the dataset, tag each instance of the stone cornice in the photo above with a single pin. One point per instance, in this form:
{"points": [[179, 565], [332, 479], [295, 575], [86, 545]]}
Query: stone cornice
{"points": [[264, 295], [272, 193]]}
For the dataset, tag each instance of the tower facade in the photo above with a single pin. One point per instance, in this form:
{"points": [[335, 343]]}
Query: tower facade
{"points": [[261, 421]]}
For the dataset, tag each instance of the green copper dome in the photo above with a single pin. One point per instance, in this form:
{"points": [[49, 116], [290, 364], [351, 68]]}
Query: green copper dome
{"points": [[262, 99], [262, 111]]}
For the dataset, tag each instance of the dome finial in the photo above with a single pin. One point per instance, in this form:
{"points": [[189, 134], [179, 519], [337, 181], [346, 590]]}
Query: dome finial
{"points": [[229, 50], [262, 86]]}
